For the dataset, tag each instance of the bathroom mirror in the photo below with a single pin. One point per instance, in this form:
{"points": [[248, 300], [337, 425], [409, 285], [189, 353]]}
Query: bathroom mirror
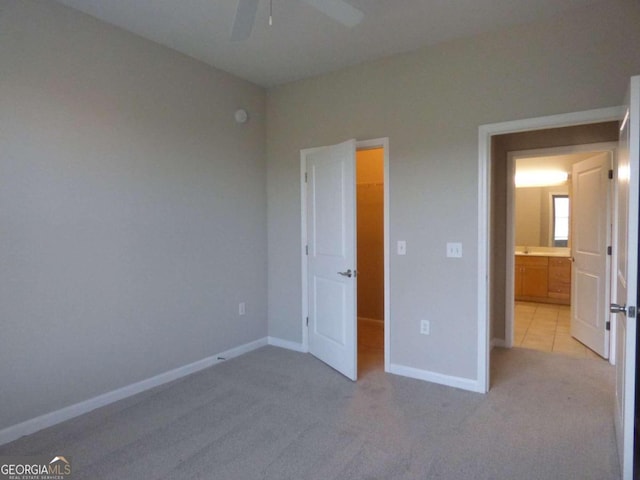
{"points": [[542, 196], [542, 216]]}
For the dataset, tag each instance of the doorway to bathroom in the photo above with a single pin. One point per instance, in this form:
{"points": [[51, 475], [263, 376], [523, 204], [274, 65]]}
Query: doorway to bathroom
{"points": [[500, 248], [559, 216]]}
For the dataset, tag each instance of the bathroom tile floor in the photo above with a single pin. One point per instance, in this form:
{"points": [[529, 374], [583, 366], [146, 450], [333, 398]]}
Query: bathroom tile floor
{"points": [[545, 327]]}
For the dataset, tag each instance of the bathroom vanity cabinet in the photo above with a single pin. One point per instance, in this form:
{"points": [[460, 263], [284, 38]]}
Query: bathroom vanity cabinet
{"points": [[545, 279], [560, 279]]}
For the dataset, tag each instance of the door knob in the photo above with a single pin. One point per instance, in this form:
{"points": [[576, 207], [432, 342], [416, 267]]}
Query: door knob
{"points": [[615, 308], [348, 273]]}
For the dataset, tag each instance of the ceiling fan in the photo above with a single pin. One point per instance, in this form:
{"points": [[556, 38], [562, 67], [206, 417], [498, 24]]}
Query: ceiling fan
{"points": [[339, 10]]}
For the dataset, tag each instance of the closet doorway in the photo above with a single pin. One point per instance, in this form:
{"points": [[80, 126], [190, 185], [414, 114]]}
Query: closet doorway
{"points": [[329, 244], [370, 252]]}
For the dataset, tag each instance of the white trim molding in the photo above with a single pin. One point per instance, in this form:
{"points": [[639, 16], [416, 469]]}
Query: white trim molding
{"points": [[439, 378], [33, 425], [485, 132], [287, 344]]}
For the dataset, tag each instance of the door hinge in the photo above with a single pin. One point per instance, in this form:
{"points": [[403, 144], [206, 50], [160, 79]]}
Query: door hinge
{"points": [[306, 249], [631, 312], [610, 174], [307, 321], [609, 250], [607, 326], [305, 177]]}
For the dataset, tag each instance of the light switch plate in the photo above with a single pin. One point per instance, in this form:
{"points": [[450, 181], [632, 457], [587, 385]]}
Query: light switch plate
{"points": [[454, 250], [402, 247], [425, 327]]}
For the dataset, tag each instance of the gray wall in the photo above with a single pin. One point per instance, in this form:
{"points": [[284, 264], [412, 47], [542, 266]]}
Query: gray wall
{"points": [[132, 209], [430, 104]]}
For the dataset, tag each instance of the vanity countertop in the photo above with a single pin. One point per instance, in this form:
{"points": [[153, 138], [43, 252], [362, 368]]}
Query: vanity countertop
{"points": [[543, 254], [543, 251]]}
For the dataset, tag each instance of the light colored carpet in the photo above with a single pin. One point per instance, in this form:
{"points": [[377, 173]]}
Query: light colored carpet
{"points": [[276, 414]]}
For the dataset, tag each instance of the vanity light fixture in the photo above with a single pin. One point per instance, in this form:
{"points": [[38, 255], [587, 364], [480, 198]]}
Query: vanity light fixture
{"points": [[540, 178]]}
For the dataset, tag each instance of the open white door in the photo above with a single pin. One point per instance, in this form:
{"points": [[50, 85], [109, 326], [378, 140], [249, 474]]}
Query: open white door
{"points": [[331, 257], [625, 301], [589, 241]]}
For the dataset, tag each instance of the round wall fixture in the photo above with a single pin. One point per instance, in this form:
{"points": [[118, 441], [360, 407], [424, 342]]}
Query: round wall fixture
{"points": [[241, 115]]}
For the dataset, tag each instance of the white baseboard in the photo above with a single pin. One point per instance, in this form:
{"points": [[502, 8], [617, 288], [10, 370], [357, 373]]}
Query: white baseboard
{"points": [[28, 427], [289, 345], [498, 342], [439, 378]]}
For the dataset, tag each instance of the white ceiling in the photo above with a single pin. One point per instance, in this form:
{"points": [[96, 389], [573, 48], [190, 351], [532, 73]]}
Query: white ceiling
{"points": [[302, 41]]}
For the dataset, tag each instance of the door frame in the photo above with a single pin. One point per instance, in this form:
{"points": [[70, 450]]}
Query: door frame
{"points": [[595, 148], [485, 132], [383, 143]]}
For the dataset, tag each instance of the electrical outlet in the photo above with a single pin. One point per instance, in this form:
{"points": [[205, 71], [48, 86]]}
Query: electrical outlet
{"points": [[402, 247], [454, 250], [425, 327], [242, 308]]}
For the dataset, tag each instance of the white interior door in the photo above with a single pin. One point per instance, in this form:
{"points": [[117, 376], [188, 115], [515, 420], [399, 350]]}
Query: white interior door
{"points": [[589, 241], [625, 301], [331, 258]]}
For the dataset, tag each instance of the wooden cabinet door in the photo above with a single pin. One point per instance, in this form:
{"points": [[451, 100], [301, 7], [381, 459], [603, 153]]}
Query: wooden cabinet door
{"points": [[535, 281], [531, 278], [560, 279], [517, 278]]}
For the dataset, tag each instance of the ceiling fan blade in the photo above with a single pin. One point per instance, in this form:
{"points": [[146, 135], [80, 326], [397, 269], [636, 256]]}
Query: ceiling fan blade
{"points": [[244, 20], [338, 10]]}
